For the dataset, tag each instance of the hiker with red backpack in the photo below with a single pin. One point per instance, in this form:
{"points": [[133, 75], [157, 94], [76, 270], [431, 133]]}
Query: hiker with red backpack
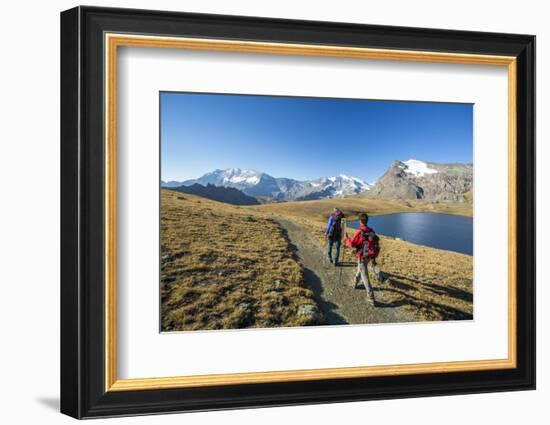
{"points": [[366, 244], [333, 232]]}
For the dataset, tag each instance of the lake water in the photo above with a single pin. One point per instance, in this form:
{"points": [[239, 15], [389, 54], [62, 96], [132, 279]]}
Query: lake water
{"points": [[442, 231]]}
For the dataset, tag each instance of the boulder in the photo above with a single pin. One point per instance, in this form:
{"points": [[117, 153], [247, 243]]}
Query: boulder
{"points": [[309, 311]]}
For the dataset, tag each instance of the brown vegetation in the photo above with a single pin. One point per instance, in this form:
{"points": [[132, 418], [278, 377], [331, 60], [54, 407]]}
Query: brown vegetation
{"points": [[353, 205], [226, 267], [432, 284]]}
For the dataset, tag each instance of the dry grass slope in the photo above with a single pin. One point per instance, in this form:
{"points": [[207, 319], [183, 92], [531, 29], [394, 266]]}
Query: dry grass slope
{"points": [[226, 267], [432, 284], [353, 205]]}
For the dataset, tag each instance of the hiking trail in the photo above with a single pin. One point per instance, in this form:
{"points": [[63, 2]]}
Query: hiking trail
{"points": [[333, 286]]}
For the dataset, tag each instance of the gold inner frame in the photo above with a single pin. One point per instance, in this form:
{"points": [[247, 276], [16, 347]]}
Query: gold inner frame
{"points": [[113, 41]]}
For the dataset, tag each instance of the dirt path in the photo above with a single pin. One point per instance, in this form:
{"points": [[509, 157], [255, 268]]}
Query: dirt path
{"points": [[333, 286]]}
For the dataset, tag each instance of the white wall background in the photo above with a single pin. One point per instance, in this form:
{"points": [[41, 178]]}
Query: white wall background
{"points": [[29, 217]]}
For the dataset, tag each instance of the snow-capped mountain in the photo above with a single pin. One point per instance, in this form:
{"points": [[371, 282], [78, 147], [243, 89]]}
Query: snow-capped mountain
{"points": [[341, 185], [262, 185], [414, 179], [231, 177]]}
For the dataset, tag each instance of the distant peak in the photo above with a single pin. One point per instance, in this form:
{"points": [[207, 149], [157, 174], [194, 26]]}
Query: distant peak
{"points": [[240, 176]]}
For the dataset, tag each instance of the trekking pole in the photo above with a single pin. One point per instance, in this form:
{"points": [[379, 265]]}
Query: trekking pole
{"points": [[343, 252], [344, 233]]}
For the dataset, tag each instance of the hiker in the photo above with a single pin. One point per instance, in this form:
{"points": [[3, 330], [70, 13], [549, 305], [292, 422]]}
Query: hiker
{"points": [[366, 243], [333, 232]]}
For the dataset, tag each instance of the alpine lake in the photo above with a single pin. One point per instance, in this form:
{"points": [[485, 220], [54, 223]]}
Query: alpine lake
{"points": [[441, 231]]}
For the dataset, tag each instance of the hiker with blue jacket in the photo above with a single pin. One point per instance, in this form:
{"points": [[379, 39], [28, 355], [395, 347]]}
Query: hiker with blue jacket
{"points": [[333, 232]]}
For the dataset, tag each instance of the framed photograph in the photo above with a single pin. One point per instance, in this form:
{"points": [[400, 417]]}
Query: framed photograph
{"points": [[261, 212]]}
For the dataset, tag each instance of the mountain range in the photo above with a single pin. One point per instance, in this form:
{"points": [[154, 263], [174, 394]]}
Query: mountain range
{"points": [[268, 188], [411, 179]]}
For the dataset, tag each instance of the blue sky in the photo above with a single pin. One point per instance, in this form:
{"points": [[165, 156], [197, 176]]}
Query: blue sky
{"points": [[306, 138]]}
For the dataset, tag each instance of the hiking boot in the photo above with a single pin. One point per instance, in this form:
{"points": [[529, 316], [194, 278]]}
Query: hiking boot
{"points": [[330, 260], [336, 263]]}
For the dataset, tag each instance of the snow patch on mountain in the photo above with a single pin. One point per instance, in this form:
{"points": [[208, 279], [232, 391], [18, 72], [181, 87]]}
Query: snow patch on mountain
{"points": [[417, 168], [238, 176]]}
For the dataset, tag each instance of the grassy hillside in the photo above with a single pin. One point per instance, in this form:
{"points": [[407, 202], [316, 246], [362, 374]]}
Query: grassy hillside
{"points": [[313, 215], [432, 284], [227, 267], [320, 209]]}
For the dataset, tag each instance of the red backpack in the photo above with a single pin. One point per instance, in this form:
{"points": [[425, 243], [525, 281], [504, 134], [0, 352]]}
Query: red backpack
{"points": [[371, 245]]}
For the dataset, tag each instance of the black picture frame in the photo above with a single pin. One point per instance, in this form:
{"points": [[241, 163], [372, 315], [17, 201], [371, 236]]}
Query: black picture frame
{"points": [[83, 392]]}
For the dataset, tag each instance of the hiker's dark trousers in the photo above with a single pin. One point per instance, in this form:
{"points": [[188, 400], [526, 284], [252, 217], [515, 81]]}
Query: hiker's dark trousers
{"points": [[337, 244]]}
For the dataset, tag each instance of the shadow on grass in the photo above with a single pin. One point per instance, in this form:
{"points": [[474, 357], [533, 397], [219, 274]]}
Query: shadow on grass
{"points": [[400, 289], [450, 291]]}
